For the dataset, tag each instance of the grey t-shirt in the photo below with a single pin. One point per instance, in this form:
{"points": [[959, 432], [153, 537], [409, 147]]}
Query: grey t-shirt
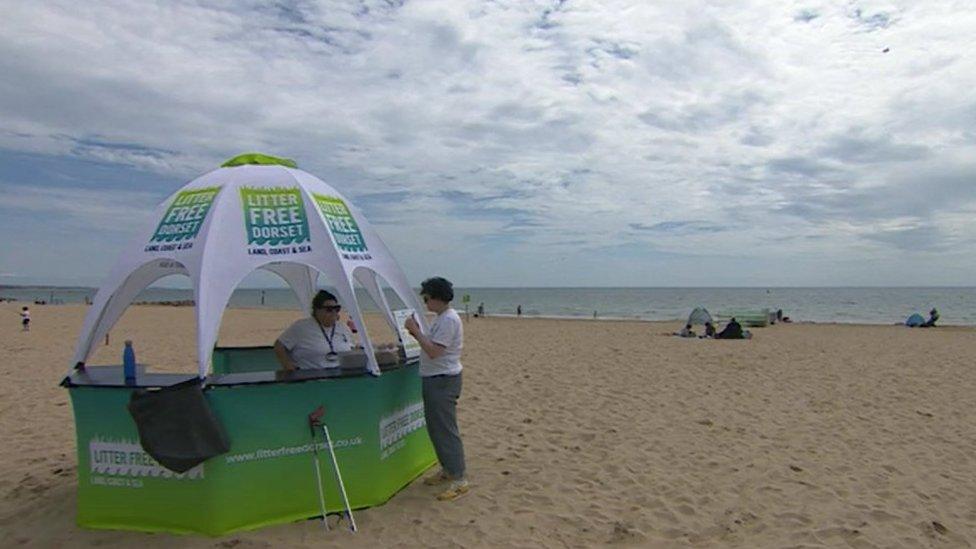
{"points": [[446, 330]]}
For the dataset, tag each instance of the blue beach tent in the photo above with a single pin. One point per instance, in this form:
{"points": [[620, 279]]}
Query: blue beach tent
{"points": [[914, 321]]}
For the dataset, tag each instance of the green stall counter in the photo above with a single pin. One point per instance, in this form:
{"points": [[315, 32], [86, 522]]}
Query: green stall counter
{"points": [[233, 360], [377, 427]]}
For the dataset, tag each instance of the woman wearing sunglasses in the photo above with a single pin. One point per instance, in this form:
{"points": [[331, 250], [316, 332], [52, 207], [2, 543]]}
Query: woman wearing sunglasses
{"points": [[440, 372], [315, 341]]}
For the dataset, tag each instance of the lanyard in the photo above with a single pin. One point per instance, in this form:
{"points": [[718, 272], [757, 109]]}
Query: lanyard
{"points": [[328, 338]]}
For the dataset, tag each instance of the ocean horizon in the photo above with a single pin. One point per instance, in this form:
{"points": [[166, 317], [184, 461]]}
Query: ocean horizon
{"points": [[854, 305]]}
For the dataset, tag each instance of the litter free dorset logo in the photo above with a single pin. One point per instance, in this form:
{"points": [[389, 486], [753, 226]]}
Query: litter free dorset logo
{"points": [[274, 216], [343, 227], [185, 215]]}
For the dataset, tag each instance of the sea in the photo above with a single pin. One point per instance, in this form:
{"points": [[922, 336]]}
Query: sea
{"points": [[957, 306]]}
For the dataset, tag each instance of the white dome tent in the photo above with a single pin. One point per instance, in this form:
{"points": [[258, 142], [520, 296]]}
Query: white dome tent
{"points": [[255, 212]]}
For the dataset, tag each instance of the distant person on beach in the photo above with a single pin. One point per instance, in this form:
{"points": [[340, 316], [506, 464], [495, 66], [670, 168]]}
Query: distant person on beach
{"points": [[518, 311], [709, 330], [732, 330], [25, 319], [440, 373], [481, 309], [686, 332], [314, 342], [933, 318]]}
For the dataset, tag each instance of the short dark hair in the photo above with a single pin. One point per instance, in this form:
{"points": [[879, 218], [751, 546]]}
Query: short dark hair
{"points": [[320, 298], [437, 288]]}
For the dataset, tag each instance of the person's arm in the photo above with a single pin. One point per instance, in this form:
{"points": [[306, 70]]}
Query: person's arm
{"points": [[355, 341], [286, 362], [433, 350]]}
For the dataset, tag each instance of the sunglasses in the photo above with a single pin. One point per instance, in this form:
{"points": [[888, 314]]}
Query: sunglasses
{"points": [[331, 308]]}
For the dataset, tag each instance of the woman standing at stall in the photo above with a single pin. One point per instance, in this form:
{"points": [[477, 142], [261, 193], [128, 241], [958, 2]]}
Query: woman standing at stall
{"points": [[440, 370], [315, 342]]}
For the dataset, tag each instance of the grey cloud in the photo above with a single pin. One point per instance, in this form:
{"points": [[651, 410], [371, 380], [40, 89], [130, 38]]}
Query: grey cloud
{"points": [[923, 238], [523, 224], [367, 199], [573, 78], [88, 144], [617, 50], [105, 151], [338, 28], [465, 197], [756, 138], [511, 110], [929, 65], [805, 16], [77, 208], [294, 11], [446, 50], [704, 116], [800, 165], [872, 22], [546, 19], [678, 227], [560, 135], [920, 192], [853, 148], [707, 49], [939, 114]]}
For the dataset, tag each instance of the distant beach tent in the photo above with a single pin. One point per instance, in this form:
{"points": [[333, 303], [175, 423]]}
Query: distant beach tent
{"points": [[915, 320], [254, 212], [699, 316]]}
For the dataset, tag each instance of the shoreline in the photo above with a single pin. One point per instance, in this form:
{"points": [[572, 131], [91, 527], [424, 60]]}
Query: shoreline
{"points": [[575, 318]]}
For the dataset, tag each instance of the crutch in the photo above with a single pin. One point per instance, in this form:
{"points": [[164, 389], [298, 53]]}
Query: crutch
{"points": [[335, 469], [313, 420]]}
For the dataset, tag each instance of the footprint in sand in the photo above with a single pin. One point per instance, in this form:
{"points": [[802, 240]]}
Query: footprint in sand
{"points": [[794, 518], [624, 532]]}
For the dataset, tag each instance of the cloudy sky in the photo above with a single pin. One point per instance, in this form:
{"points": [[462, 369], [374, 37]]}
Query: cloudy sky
{"points": [[514, 143]]}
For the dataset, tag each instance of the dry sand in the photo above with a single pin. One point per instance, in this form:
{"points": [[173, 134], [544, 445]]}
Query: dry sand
{"points": [[589, 433]]}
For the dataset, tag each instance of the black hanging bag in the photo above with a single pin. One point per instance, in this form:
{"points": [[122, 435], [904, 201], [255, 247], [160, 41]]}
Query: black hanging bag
{"points": [[176, 425]]}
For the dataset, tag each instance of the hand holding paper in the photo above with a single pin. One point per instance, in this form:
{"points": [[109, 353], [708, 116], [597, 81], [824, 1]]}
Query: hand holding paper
{"points": [[412, 326]]}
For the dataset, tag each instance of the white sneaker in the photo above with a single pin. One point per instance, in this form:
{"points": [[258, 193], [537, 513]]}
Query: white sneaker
{"points": [[457, 489]]}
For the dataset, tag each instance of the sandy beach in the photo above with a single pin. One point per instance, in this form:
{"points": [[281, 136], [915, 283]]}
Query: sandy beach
{"points": [[587, 433]]}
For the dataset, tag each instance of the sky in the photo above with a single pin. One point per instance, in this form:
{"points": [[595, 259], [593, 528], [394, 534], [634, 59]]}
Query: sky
{"points": [[556, 143]]}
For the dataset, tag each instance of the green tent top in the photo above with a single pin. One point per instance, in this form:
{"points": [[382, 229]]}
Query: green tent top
{"points": [[259, 159]]}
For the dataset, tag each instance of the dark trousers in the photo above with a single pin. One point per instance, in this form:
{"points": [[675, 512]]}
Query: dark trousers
{"points": [[440, 411]]}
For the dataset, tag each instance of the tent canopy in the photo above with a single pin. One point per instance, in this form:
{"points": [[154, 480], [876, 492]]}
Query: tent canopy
{"points": [[255, 212], [699, 315]]}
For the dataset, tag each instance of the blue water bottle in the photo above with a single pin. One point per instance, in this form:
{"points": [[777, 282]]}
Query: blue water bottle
{"points": [[129, 363]]}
